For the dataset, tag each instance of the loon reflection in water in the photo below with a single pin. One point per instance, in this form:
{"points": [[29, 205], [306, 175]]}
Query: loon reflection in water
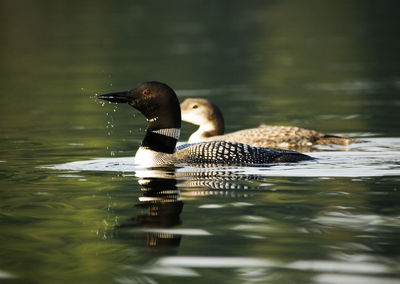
{"points": [[159, 104], [161, 203]]}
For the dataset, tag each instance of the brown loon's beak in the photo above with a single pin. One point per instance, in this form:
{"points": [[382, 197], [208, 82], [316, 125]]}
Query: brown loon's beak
{"points": [[118, 97]]}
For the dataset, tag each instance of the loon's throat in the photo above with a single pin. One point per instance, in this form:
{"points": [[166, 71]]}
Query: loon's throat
{"points": [[161, 140]]}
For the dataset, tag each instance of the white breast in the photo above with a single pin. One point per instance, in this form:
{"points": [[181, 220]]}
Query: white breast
{"points": [[147, 158]]}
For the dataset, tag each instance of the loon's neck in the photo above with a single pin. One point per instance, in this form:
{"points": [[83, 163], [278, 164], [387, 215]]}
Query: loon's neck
{"points": [[212, 128], [161, 140], [163, 124]]}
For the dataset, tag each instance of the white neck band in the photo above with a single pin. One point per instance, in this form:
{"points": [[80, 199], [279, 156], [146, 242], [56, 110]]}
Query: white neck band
{"points": [[170, 132]]}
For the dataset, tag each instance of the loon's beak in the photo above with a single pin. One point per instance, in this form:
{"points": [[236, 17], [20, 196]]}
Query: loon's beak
{"points": [[118, 97]]}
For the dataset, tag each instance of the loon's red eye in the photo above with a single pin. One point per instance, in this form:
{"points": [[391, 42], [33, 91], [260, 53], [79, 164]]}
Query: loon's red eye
{"points": [[147, 92]]}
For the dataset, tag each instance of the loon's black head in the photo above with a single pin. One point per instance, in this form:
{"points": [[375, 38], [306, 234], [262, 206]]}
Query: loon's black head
{"points": [[155, 100]]}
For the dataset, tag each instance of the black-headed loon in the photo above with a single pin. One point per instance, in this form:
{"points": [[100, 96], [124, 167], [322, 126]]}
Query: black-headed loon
{"points": [[211, 121], [159, 104]]}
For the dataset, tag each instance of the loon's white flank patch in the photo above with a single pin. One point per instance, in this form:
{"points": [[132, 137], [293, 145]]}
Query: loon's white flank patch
{"points": [[170, 132]]}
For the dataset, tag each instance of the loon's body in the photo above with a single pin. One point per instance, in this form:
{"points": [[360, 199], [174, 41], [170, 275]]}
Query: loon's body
{"points": [[210, 119], [159, 104]]}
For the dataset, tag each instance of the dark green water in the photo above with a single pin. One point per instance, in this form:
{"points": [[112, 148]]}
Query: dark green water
{"points": [[333, 66]]}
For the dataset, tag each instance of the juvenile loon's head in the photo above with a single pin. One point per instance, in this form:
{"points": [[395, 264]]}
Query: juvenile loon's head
{"points": [[204, 113], [155, 100]]}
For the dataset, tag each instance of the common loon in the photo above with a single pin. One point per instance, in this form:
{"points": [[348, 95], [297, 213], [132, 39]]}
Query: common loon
{"points": [[211, 121], [160, 105]]}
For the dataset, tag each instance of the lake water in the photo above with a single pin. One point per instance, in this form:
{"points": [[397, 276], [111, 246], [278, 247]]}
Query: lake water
{"points": [[74, 207]]}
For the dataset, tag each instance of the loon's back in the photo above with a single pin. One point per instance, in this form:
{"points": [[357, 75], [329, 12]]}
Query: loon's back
{"points": [[281, 137], [221, 152]]}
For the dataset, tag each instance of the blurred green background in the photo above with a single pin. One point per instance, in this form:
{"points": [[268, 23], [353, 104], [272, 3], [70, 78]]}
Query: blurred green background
{"points": [[329, 65]]}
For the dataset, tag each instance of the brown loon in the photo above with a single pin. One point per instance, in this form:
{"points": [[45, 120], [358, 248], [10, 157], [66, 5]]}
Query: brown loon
{"points": [[210, 119], [159, 104]]}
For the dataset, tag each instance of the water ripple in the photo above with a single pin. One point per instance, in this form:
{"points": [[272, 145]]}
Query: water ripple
{"points": [[376, 157]]}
